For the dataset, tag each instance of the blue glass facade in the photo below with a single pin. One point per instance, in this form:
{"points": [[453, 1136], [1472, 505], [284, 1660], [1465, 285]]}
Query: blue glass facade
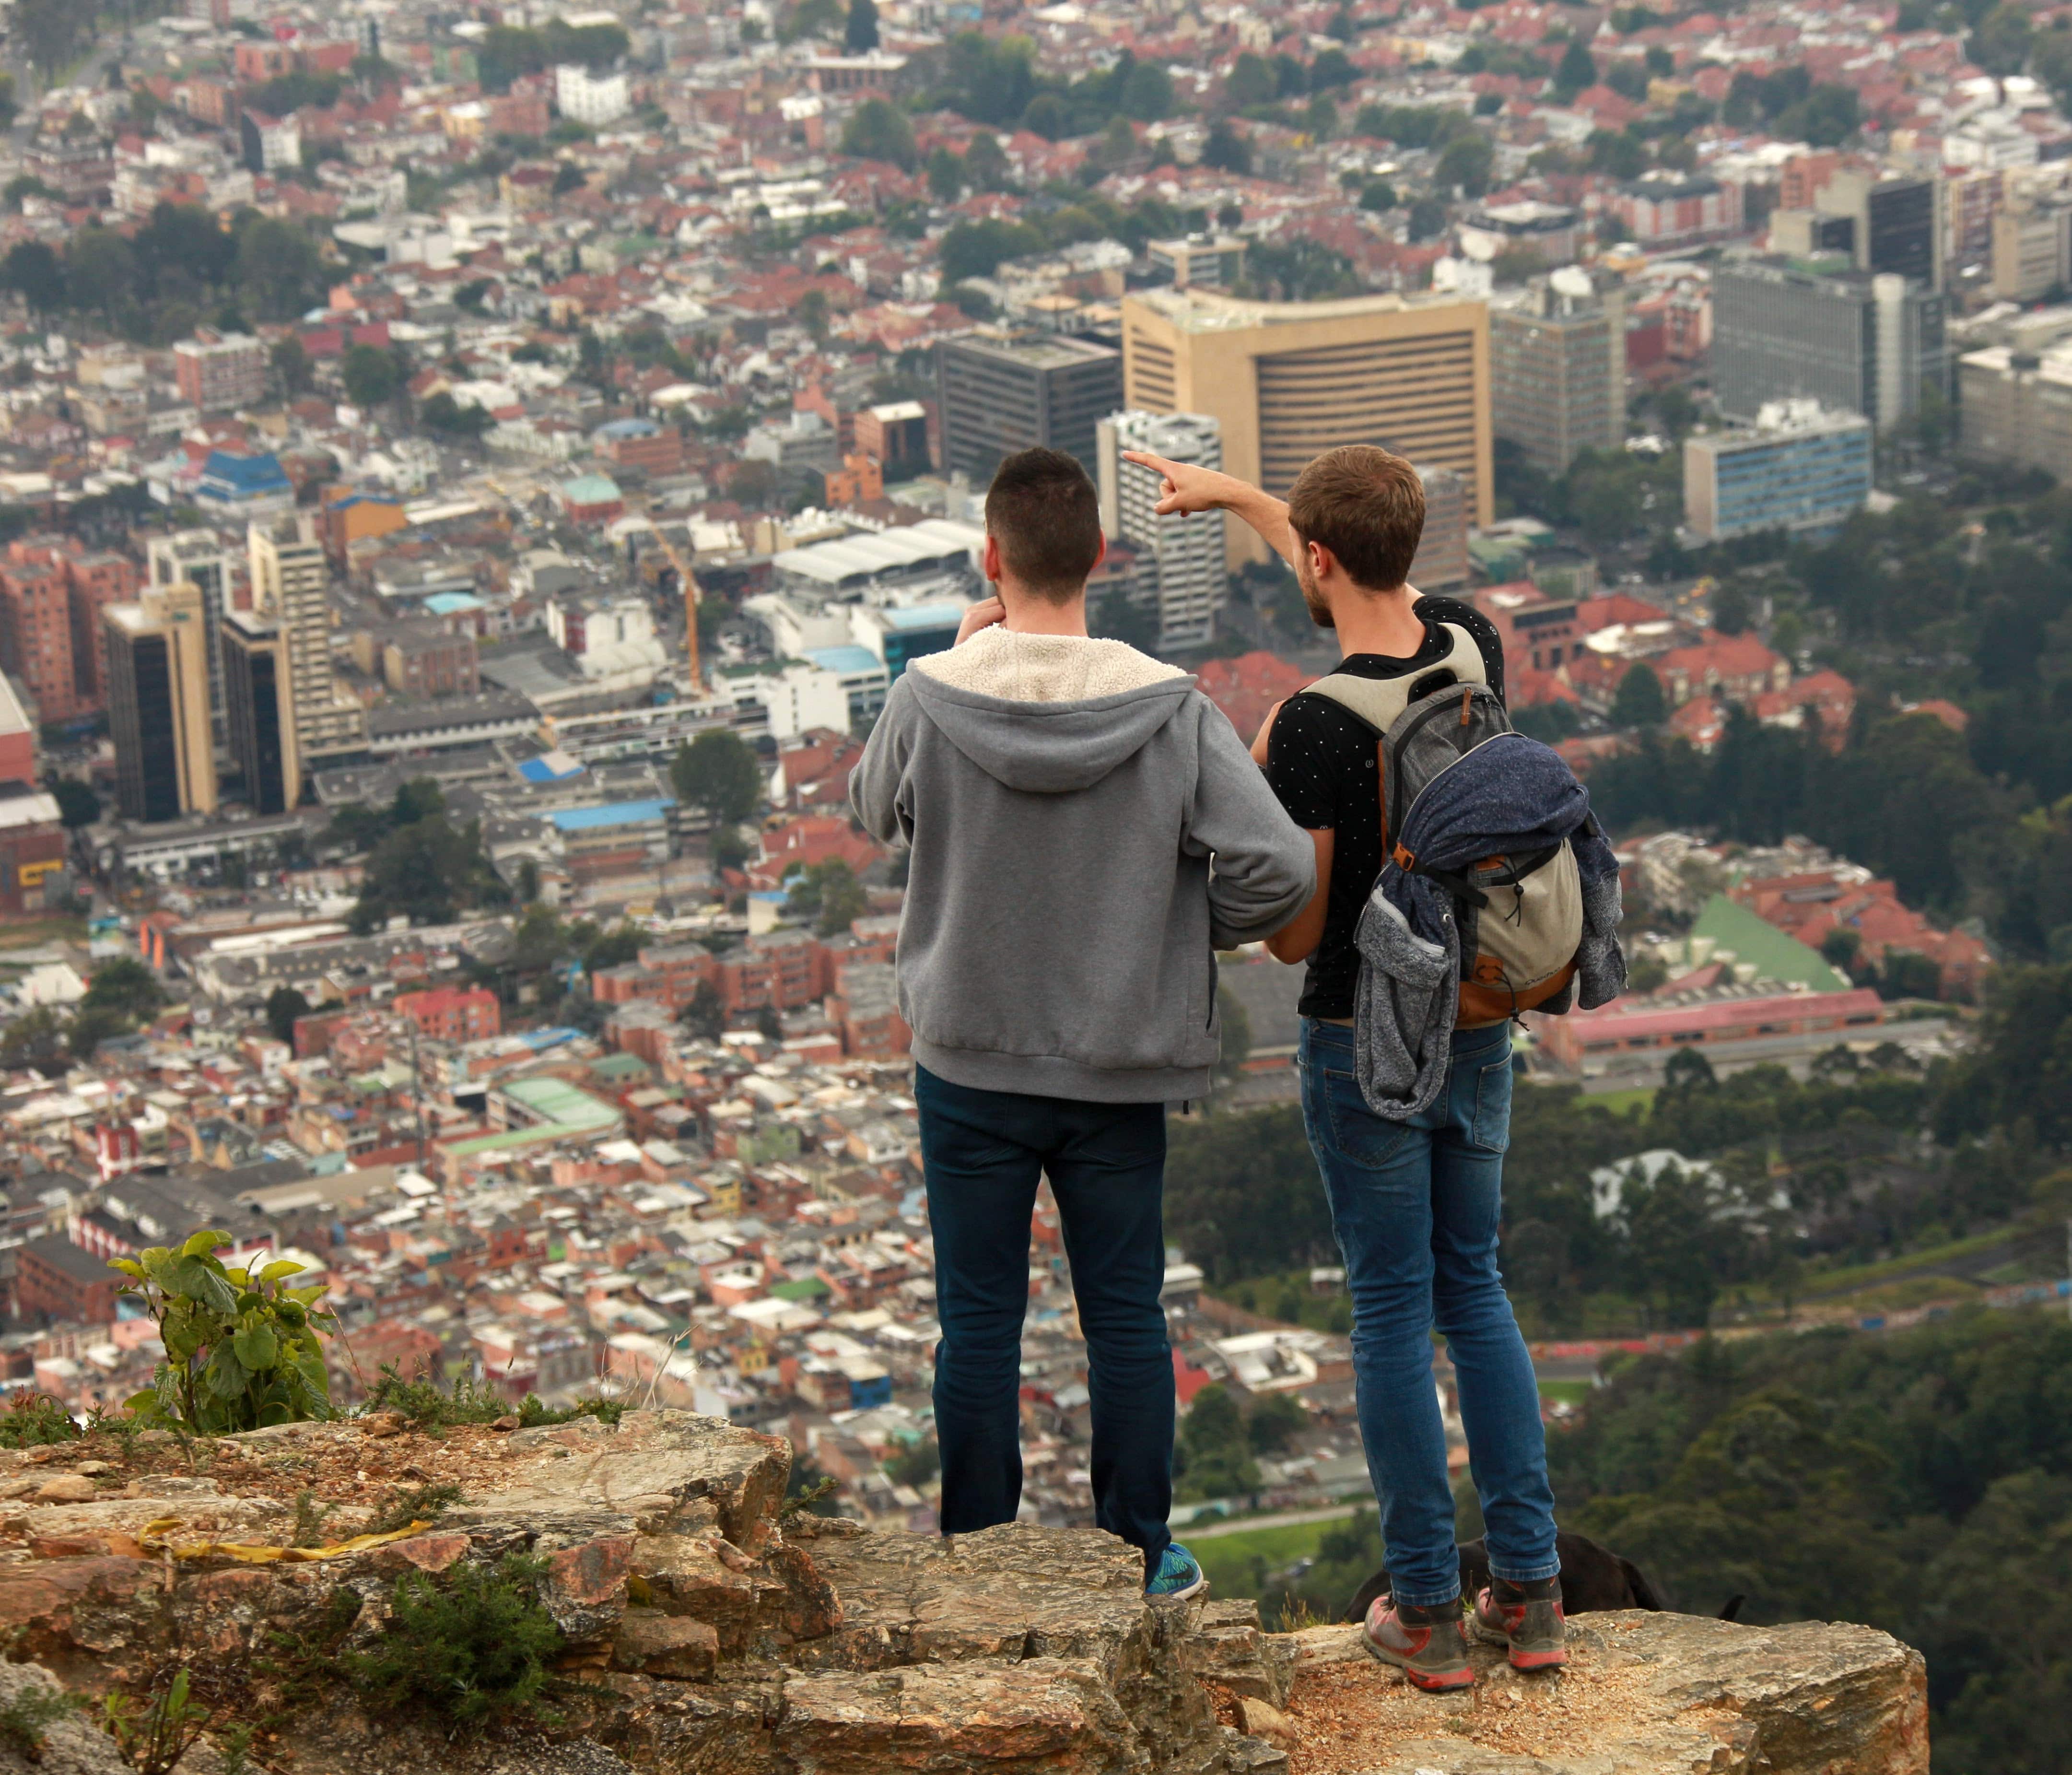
{"points": [[1803, 481]]}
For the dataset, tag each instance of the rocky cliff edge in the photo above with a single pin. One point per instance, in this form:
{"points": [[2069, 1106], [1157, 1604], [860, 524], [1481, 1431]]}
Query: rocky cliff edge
{"points": [[702, 1631]]}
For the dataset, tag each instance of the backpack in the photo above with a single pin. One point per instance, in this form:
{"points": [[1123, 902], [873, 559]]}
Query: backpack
{"points": [[1520, 918]]}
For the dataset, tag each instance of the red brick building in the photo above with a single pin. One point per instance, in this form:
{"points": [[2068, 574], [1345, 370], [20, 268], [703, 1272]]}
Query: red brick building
{"points": [[1540, 633], [1812, 905], [1639, 1025], [1738, 668], [808, 839], [60, 1282], [36, 636], [1246, 687], [448, 1014]]}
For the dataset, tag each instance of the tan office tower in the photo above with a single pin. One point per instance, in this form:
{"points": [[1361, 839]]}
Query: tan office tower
{"points": [[290, 583], [1286, 380], [157, 703]]}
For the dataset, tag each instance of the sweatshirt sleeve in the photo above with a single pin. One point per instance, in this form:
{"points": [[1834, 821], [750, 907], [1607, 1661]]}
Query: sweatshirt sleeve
{"points": [[1265, 865], [875, 785]]}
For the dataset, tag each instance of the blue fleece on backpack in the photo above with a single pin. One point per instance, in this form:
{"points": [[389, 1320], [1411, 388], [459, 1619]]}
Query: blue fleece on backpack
{"points": [[1511, 794]]}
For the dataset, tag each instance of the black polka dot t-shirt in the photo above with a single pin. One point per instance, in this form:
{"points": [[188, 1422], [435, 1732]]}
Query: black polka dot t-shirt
{"points": [[1321, 763]]}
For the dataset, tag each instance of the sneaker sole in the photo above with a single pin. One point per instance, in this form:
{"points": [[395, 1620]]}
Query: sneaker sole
{"points": [[1432, 1682], [1194, 1589], [1550, 1658]]}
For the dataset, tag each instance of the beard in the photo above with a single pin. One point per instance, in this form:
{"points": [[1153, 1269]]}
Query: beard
{"points": [[1313, 597]]}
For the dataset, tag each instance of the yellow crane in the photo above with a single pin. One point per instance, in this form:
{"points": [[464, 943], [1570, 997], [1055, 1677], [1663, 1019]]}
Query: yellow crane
{"points": [[688, 582]]}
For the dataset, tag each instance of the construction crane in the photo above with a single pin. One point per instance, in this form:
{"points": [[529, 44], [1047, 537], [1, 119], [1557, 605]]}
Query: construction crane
{"points": [[688, 582]]}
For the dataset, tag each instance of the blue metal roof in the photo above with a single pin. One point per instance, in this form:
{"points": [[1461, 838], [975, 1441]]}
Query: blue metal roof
{"points": [[242, 475], [585, 819], [538, 770], [924, 616], [446, 603], [844, 660]]}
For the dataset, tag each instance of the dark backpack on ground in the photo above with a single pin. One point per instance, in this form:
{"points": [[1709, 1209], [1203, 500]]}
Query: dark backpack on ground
{"points": [[1520, 917]]}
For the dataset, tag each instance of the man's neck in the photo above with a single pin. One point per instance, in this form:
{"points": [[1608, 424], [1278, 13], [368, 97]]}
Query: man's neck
{"points": [[1031, 616], [1385, 622]]}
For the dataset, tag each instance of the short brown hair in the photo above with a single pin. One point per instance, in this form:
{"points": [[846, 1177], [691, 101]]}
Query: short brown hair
{"points": [[1045, 514], [1366, 506]]}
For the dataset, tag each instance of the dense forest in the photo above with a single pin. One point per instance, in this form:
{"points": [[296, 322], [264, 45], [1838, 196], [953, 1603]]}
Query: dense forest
{"points": [[1920, 1481], [1778, 1179]]}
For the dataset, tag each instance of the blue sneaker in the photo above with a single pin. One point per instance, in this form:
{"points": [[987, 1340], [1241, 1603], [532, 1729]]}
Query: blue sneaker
{"points": [[1179, 1575]]}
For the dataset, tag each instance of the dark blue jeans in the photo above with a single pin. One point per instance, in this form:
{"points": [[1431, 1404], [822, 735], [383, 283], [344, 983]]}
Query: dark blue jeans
{"points": [[1416, 1206], [983, 1152]]}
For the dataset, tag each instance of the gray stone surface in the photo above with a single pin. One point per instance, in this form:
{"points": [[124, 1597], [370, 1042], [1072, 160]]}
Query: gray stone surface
{"points": [[71, 1744]]}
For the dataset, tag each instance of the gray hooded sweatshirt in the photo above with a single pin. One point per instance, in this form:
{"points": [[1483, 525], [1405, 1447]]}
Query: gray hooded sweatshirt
{"points": [[1064, 800]]}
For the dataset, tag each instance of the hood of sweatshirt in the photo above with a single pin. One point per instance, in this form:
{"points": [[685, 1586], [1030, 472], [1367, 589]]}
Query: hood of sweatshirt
{"points": [[1047, 715]]}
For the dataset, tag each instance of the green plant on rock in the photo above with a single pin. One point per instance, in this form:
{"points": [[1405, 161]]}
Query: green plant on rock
{"points": [[469, 1648], [153, 1740], [243, 1349], [427, 1403], [398, 1509], [26, 1719], [33, 1420]]}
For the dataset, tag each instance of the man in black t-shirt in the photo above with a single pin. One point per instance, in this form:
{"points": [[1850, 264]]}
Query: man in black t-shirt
{"points": [[1415, 1205]]}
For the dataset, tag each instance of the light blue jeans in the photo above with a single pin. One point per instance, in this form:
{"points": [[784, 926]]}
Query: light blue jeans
{"points": [[1416, 1206]]}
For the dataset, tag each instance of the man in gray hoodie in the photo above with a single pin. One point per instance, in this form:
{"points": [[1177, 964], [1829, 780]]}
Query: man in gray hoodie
{"points": [[1085, 829]]}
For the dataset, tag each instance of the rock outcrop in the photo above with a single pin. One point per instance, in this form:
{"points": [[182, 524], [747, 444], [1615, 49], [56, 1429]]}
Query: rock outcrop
{"points": [[704, 1631]]}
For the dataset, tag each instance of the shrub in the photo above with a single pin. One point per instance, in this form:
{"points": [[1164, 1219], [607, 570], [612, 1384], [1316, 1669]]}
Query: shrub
{"points": [[33, 1420], [427, 1404], [242, 1349], [469, 1648], [400, 1509], [25, 1719]]}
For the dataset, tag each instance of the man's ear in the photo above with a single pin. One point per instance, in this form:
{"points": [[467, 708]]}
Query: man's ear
{"points": [[1100, 555], [990, 561], [1322, 561]]}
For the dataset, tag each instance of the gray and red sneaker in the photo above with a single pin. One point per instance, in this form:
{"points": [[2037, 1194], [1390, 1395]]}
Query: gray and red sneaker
{"points": [[1427, 1645], [1527, 1619]]}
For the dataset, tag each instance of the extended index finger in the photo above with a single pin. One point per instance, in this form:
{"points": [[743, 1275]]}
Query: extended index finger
{"points": [[1145, 458]]}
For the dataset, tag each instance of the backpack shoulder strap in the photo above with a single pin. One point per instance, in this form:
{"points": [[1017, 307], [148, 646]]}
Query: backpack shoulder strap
{"points": [[1377, 704]]}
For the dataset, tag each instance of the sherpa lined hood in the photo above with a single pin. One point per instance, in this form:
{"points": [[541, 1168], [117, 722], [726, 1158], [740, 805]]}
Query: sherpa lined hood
{"points": [[1047, 715]]}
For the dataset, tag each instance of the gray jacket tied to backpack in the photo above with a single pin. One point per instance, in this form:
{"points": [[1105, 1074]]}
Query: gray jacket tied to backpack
{"points": [[1508, 796]]}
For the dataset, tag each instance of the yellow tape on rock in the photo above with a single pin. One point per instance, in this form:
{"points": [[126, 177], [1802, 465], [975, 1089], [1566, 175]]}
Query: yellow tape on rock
{"points": [[156, 1538]]}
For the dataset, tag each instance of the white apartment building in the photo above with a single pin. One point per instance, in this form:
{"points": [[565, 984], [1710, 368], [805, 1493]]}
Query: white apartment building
{"points": [[590, 98], [1185, 554]]}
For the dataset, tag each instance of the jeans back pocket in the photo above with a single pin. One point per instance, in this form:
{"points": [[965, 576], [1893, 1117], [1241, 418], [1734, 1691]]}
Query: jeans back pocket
{"points": [[1355, 1131], [1491, 1127]]}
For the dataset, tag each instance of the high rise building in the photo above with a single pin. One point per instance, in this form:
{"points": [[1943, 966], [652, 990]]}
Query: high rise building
{"points": [[2017, 406], [1798, 468], [1198, 261], [1285, 381], [220, 371], [158, 704], [1179, 560], [290, 582], [1884, 222], [1442, 549], [36, 638], [2032, 247], [998, 394], [200, 558], [1557, 367], [1856, 341], [257, 713]]}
